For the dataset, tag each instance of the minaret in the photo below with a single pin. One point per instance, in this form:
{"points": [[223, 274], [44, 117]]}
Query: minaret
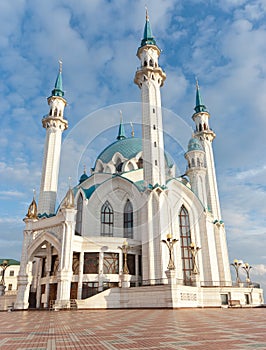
{"points": [[149, 78], [55, 124], [206, 136]]}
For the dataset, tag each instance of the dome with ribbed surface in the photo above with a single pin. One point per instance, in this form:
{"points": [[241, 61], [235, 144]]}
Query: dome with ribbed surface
{"points": [[194, 145], [128, 148]]}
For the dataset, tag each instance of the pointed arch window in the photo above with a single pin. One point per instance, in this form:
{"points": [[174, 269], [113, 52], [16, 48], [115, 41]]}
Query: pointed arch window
{"points": [[185, 240], [78, 230], [107, 220], [128, 220]]}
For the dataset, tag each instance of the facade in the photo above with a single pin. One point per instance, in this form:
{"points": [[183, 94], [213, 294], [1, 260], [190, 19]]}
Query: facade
{"points": [[9, 270], [131, 234], [9, 273]]}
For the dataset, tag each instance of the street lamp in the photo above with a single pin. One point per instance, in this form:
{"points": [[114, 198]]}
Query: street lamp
{"points": [[170, 242], [236, 264], [125, 249], [194, 251], [247, 269], [4, 265]]}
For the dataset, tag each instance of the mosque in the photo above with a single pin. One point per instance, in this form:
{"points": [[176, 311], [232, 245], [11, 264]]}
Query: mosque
{"points": [[131, 234]]}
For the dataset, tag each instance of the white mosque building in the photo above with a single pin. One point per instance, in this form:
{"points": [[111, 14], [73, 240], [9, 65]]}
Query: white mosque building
{"points": [[131, 234]]}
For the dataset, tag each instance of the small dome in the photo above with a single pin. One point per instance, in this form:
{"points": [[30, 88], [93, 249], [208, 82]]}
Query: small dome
{"points": [[83, 177], [194, 145]]}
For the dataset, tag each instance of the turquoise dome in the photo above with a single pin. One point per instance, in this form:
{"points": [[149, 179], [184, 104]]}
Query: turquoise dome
{"points": [[194, 145], [83, 177], [128, 148]]}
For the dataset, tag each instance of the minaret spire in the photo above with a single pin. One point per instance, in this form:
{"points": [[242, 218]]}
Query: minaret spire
{"points": [[200, 107], [121, 131], [148, 38], [58, 87]]}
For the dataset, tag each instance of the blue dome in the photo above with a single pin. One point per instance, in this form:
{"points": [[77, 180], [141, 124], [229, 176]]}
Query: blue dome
{"points": [[194, 145], [83, 177], [128, 148]]}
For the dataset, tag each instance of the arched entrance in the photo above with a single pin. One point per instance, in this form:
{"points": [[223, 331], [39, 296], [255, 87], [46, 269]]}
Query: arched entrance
{"points": [[44, 259]]}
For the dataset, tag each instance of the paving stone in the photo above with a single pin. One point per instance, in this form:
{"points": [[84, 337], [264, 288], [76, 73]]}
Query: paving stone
{"points": [[181, 329]]}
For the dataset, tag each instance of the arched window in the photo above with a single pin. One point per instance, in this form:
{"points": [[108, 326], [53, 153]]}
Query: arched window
{"points": [[151, 63], [128, 220], [107, 220], [78, 230], [200, 127], [185, 240], [55, 112]]}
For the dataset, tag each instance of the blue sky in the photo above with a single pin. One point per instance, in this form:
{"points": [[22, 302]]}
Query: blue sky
{"points": [[220, 42]]}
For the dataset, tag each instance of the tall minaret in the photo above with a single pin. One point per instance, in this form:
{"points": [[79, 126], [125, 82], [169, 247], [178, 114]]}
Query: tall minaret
{"points": [[55, 124], [206, 136], [149, 78]]}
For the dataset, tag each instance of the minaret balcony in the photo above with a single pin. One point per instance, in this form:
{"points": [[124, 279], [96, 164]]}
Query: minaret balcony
{"points": [[153, 73], [56, 122], [209, 134]]}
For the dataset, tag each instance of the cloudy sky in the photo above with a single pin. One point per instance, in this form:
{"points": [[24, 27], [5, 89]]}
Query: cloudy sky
{"points": [[220, 42]]}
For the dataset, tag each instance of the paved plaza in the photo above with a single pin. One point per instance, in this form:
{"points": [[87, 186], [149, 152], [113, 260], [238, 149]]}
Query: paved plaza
{"points": [[134, 329]]}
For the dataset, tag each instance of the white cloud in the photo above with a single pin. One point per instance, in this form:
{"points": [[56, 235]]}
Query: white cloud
{"points": [[259, 270], [11, 194]]}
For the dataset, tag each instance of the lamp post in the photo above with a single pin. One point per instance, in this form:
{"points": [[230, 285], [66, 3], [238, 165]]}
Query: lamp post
{"points": [[236, 264], [247, 269], [170, 242], [4, 265], [194, 251], [125, 249]]}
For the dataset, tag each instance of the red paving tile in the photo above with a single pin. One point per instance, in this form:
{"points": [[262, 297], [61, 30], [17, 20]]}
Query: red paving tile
{"points": [[134, 329]]}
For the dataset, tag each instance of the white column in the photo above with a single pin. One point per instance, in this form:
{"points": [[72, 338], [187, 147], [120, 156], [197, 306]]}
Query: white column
{"points": [[137, 269], [38, 291], [22, 300], [100, 280], [80, 280], [66, 258]]}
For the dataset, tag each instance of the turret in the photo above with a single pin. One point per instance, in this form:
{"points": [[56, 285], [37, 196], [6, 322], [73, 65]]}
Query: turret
{"points": [[55, 124]]}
